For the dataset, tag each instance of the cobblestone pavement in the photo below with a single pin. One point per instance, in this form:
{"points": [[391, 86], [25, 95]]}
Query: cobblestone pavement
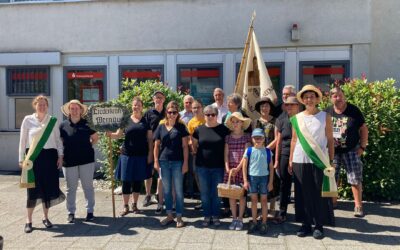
{"points": [[379, 229]]}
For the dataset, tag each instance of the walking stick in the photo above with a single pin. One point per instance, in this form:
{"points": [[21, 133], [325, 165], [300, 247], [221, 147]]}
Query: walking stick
{"points": [[111, 162]]}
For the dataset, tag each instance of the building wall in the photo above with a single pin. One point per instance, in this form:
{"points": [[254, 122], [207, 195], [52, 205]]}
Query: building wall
{"points": [[385, 45], [114, 26]]}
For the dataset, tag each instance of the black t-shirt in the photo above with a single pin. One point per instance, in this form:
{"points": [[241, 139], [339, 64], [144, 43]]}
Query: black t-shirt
{"points": [[346, 127], [78, 149], [153, 118], [210, 153], [135, 143], [284, 127], [171, 141]]}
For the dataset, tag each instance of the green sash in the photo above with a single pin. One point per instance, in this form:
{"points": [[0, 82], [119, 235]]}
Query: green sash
{"points": [[38, 142], [315, 153]]}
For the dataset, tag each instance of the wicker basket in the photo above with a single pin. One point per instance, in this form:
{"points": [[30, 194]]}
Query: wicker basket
{"points": [[226, 190]]}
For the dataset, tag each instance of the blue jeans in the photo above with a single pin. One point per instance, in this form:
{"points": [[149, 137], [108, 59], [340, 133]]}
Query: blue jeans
{"points": [[209, 178], [259, 184], [171, 174]]}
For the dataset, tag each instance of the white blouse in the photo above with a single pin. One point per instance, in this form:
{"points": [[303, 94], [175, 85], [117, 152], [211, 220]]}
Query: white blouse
{"points": [[316, 126], [30, 127]]}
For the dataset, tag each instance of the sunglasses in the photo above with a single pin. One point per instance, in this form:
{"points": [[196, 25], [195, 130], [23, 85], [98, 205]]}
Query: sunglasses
{"points": [[212, 115], [172, 112]]}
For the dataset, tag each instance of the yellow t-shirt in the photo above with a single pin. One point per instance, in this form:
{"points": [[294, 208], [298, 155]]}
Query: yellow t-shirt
{"points": [[194, 123]]}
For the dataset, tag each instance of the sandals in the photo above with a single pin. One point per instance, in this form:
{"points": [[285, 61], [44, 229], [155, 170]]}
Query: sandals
{"points": [[167, 221], [135, 210], [124, 211], [179, 223]]}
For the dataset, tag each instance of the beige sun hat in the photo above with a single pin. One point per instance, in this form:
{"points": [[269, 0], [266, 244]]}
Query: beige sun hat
{"points": [[65, 107], [306, 88], [246, 121]]}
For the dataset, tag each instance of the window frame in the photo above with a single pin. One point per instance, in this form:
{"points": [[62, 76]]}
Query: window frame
{"points": [[346, 64], [121, 69], [219, 66], [9, 75], [87, 68]]}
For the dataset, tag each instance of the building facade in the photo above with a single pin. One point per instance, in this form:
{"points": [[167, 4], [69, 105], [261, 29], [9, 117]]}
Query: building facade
{"points": [[83, 49]]}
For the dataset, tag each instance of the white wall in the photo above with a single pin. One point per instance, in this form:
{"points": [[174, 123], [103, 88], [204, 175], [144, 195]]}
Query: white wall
{"points": [[179, 24]]}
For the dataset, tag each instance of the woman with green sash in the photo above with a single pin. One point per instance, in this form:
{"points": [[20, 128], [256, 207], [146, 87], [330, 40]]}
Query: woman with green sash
{"points": [[311, 155], [40, 157]]}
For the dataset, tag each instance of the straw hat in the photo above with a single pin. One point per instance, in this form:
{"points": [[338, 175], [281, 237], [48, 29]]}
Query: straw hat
{"points": [[65, 107], [246, 121], [306, 88], [265, 100]]}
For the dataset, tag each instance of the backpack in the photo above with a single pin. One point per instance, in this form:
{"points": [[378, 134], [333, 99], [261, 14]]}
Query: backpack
{"points": [[248, 153]]}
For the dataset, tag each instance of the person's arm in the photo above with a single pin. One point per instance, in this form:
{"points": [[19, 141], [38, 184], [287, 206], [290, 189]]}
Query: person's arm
{"points": [[271, 177], [277, 150], [329, 137], [292, 145], [59, 145], [156, 154], [185, 166], [226, 157], [115, 135], [244, 167], [363, 139], [22, 142], [150, 145], [94, 138]]}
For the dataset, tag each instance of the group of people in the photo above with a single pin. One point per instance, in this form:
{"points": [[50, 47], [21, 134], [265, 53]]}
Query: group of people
{"points": [[207, 146]]}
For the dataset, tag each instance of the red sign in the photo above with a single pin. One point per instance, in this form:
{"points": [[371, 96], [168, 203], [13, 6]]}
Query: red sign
{"points": [[200, 73], [28, 76], [274, 72], [85, 75], [141, 74], [323, 71]]}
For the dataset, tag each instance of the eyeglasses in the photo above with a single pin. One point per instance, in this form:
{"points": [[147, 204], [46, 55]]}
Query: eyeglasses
{"points": [[172, 112], [212, 115]]}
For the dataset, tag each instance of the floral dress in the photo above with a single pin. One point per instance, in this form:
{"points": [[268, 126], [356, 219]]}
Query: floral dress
{"points": [[236, 147]]}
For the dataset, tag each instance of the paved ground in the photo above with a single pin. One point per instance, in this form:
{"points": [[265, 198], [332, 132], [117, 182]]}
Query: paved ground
{"points": [[380, 229]]}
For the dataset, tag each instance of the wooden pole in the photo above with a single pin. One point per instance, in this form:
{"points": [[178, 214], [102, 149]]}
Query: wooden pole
{"points": [[111, 163], [246, 46]]}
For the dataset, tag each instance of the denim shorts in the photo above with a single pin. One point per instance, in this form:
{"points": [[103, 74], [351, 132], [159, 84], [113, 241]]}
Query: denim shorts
{"points": [[259, 184]]}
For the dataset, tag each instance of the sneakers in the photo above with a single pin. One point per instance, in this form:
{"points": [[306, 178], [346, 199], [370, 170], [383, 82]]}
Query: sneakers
{"points": [[304, 231], [358, 212], [146, 201], [263, 229], [239, 225], [216, 221], [71, 218], [159, 209], [28, 228], [318, 234], [232, 226], [89, 217], [154, 199], [206, 222], [252, 227]]}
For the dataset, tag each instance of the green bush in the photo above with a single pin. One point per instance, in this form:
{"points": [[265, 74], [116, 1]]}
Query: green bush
{"points": [[380, 103], [131, 89]]}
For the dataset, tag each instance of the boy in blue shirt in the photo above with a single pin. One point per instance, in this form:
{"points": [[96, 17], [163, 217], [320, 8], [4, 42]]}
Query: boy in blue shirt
{"points": [[257, 166]]}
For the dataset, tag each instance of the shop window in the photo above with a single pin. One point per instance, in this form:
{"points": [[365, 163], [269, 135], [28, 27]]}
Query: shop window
{"points": [[28, 81], [323, 74], [200, 81], [86, 84], [23, 107], [276, 74], [142, 73]]}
